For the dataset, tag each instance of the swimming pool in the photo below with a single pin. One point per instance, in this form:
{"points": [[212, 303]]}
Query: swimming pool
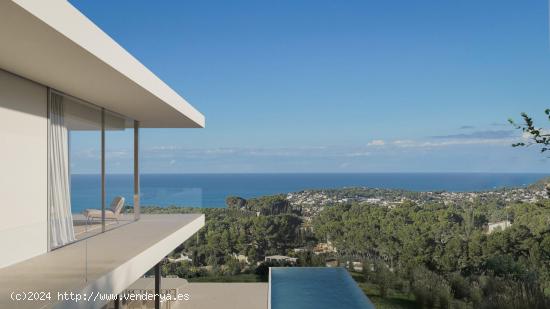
{"points": [[315, 288]]}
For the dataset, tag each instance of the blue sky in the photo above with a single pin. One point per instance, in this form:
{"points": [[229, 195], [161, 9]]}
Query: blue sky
{"points": [[337, 86]]}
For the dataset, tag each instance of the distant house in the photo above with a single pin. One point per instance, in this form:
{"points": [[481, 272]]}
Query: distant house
{"points": [[331, 263], [281, 258], [498, 226], [241, 258], [182, 258], [357, 266], [324, 248]]}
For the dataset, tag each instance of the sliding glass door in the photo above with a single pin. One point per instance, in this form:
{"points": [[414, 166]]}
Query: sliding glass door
{"points": [[90, 164], [119, 162]]}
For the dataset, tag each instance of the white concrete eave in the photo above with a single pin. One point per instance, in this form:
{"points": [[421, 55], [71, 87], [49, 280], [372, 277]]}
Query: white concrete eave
{"points": [[52, 43]]}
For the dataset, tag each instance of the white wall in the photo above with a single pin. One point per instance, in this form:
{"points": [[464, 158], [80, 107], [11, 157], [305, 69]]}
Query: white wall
{"points": [[23, 169]]}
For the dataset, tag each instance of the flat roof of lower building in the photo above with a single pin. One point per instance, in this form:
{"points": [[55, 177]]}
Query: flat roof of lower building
{"points": [[225, 295], [206, 295], [106, 263], [54, 44]]}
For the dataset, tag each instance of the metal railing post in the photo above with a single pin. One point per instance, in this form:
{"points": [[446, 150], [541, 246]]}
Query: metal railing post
{"points": [[103, 196], [136, 171]]}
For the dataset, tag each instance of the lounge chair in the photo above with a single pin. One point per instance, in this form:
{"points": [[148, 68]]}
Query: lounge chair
{"points": [[110, 214]]}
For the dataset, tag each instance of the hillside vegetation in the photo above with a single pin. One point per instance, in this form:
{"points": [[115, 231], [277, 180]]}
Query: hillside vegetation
{"points": [[432, 255]]}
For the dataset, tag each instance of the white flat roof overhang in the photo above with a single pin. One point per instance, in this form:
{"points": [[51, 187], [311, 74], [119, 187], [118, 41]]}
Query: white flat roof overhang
{"points": [[105, 263], [52, 43]]}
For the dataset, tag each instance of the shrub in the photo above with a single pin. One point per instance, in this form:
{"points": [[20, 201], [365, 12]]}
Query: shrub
{"points": [[460, 286], [384, 278], [430, 289]]}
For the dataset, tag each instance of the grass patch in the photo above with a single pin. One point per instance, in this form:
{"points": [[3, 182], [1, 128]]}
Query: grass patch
{"points": [[394, 300]]}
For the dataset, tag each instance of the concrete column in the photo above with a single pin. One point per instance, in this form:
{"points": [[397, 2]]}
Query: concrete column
{"points": [[157, 286]]}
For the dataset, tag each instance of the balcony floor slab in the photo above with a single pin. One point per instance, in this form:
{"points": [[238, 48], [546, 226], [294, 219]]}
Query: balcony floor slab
{"points": [[106, 263]]}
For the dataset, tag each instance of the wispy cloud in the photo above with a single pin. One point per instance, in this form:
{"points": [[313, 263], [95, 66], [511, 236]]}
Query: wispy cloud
{"points": [[88, 153], [488, 134], [344, 165], [359, 154], [118, 154], [371, 149], [450, 142], [177, 151], [502, 137], [374, 155]]}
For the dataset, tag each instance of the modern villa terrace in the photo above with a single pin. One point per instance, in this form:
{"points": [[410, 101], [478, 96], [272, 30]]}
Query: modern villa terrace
{"points": [[63, 83]]}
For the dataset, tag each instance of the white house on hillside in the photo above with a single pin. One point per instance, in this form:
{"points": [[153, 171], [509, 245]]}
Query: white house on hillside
{"points": [[281, 258], [498, 226]]}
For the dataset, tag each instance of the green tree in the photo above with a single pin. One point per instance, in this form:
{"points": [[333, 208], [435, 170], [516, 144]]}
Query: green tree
{"points": [[537, 136]]}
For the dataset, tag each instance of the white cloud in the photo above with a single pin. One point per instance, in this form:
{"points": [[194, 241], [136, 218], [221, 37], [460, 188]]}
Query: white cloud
{"points": [[377, 142], [403, 143]]}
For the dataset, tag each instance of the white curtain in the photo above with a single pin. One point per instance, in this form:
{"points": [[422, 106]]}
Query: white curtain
{"points": [[59, 199]]}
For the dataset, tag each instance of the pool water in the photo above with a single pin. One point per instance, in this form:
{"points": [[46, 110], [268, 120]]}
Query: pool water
{"points": [[315, 288]]}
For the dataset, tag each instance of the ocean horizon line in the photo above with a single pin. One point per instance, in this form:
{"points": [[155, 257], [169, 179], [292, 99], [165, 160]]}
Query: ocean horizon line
{"points": [[323, 173]]}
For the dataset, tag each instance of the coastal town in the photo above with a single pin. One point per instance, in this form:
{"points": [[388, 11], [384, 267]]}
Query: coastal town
{"points": [[312, 202]]}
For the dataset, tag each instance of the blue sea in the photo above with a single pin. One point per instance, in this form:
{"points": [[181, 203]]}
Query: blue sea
{"points": [[210, 190], [315, 288]]}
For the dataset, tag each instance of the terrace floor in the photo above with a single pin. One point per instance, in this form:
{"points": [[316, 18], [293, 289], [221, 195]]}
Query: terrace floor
{"points": [[84, 228], [226, 295], [105, 263]]}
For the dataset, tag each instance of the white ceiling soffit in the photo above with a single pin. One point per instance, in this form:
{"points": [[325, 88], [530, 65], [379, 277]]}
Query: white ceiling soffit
{"points": [[52, 43]]}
